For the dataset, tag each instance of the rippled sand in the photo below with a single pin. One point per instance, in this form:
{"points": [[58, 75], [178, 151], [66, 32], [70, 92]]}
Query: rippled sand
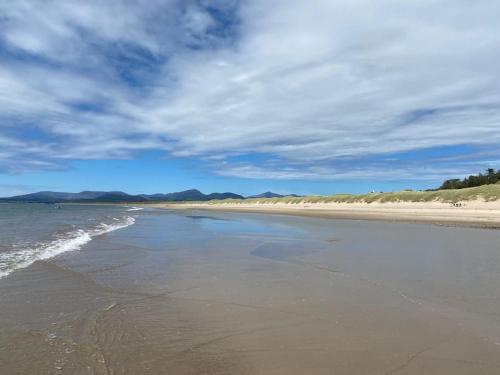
{"points": [[191, 293]]}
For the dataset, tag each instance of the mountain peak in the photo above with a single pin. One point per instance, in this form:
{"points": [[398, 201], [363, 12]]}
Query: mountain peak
{"points": [[118, 197]]}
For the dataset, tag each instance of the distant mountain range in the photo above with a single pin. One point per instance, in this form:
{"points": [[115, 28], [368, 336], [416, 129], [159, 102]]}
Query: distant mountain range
{"points": [[84, 196], [121, 197]]}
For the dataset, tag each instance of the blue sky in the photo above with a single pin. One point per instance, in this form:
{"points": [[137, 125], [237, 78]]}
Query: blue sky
{"points": [[226, 95]]}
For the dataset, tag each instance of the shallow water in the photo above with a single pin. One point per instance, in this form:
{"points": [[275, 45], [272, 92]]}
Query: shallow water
{"points": [[31, 232], [228, 293]]}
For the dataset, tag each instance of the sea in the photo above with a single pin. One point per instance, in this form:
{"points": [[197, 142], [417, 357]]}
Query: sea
{"points": [[36, 231]]}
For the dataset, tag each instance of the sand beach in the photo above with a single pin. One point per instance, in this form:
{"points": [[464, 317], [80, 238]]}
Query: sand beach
{"points": [[210, 292], [474, 213]]}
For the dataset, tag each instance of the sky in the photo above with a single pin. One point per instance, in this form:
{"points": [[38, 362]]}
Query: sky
{"points": [[291, 96]]}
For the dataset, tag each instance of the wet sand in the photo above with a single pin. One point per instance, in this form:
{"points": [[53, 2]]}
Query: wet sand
{"points": [[473, 213], [197, 292]]}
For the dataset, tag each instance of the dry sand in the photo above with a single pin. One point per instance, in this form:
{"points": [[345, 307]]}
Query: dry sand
{"points": [[476, 213]]}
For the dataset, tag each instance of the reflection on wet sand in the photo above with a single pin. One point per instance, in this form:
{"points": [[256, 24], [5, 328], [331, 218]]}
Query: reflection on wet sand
{"points": [[253, 294]]}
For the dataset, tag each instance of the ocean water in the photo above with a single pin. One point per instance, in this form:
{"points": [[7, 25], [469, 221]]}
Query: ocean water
{"points": [[31, 232]]}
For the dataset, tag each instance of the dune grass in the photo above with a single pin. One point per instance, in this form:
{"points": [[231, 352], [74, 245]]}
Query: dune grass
{"points": [[486, 192]]}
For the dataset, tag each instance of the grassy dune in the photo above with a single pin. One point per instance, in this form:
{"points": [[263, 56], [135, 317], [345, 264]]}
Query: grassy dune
{"points": [[486, 192]]}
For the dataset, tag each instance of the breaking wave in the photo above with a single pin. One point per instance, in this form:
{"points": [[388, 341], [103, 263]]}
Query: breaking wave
{"points": [[70, 241]]}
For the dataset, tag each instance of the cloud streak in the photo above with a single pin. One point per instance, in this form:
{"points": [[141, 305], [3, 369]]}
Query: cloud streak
{"points": [[310, 85]]}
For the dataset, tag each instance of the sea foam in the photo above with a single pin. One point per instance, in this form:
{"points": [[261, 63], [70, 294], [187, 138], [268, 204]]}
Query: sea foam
{"points": [[71, 241]]}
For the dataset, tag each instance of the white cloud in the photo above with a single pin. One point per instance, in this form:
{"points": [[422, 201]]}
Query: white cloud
{"points": [[321, 173], [308, 83]]}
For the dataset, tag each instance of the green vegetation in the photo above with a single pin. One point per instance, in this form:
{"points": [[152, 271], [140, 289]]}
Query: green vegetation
{"points": [[491, 177], [486, 192]]}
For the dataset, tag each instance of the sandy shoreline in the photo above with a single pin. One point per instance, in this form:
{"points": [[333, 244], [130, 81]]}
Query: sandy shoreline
{"points": [[471, 213], [191, 292]]}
